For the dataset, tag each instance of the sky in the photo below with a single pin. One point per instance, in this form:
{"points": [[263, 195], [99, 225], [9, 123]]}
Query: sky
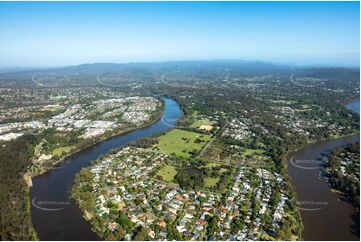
{"points": [[70, 33]]}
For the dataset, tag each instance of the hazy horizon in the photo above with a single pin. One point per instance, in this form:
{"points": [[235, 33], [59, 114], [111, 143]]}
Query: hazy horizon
{"points": [[57, 34], [182, 60]]}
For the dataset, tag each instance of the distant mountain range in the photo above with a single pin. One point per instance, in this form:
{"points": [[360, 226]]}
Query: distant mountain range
{"points": [[87, 74]]}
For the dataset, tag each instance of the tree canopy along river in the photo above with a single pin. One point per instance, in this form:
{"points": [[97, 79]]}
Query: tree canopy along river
{"points": [[325, 214], [54, 215]]}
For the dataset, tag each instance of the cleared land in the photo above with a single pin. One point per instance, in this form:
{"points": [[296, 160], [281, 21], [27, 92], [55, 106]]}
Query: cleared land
{"points": [[210, 181], [167, 173], [60, 150], [55, 108], [182, 142], [202, 122], [255, 153]]}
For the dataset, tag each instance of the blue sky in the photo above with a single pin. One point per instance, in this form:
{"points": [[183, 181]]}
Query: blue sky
{"points": [[67, 33]]}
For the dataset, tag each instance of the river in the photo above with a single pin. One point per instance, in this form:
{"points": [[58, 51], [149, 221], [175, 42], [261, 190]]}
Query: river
{"points": [[54, 215], [325, 214]]}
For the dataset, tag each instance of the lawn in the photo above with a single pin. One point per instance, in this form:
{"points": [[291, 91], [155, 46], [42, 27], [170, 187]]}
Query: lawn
{"points": [[196, 124], [210, 181], [60, 150], [167, 173], [181, 142]]}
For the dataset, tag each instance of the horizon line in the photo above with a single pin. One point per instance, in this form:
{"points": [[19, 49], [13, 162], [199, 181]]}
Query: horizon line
{"points": [[289, 64]]}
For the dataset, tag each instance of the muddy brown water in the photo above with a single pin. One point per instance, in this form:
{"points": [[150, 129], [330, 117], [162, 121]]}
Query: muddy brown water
{"points": [[325, 214]]}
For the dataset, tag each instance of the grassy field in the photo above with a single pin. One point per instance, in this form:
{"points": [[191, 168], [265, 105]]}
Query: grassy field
{"points": [[55, 108], [60, 150], [210, 181], [181, 142], [196, 124], [252, 152], [167, 173], [214, 151], [214, 164]]}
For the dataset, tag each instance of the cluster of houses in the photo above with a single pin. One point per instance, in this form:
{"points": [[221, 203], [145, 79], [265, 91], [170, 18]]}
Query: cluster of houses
{"points": [[74, 118], [10, 136], [310, 81], [9, 131], [239, 205], [20, 113], [291, 119], [20, 104], [349, 164], [237, 129], [126, 180], [109, 114], [4, 128], [134, 110], [142, 111]]}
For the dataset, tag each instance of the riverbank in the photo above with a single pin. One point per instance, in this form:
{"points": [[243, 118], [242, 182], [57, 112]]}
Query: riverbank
{"points": [[343, 172], [325, 215], [287, 158], [311, 142], [318, 205]]}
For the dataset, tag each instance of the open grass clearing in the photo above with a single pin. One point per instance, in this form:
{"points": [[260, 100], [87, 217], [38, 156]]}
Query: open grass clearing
{"points": [[54, 108], [60, 150], [203, 124], [167, 173], [210, 182], [182, 142]]}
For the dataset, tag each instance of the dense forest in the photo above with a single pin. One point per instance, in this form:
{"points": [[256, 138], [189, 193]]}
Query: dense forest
{"points": [[15, 216]]}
